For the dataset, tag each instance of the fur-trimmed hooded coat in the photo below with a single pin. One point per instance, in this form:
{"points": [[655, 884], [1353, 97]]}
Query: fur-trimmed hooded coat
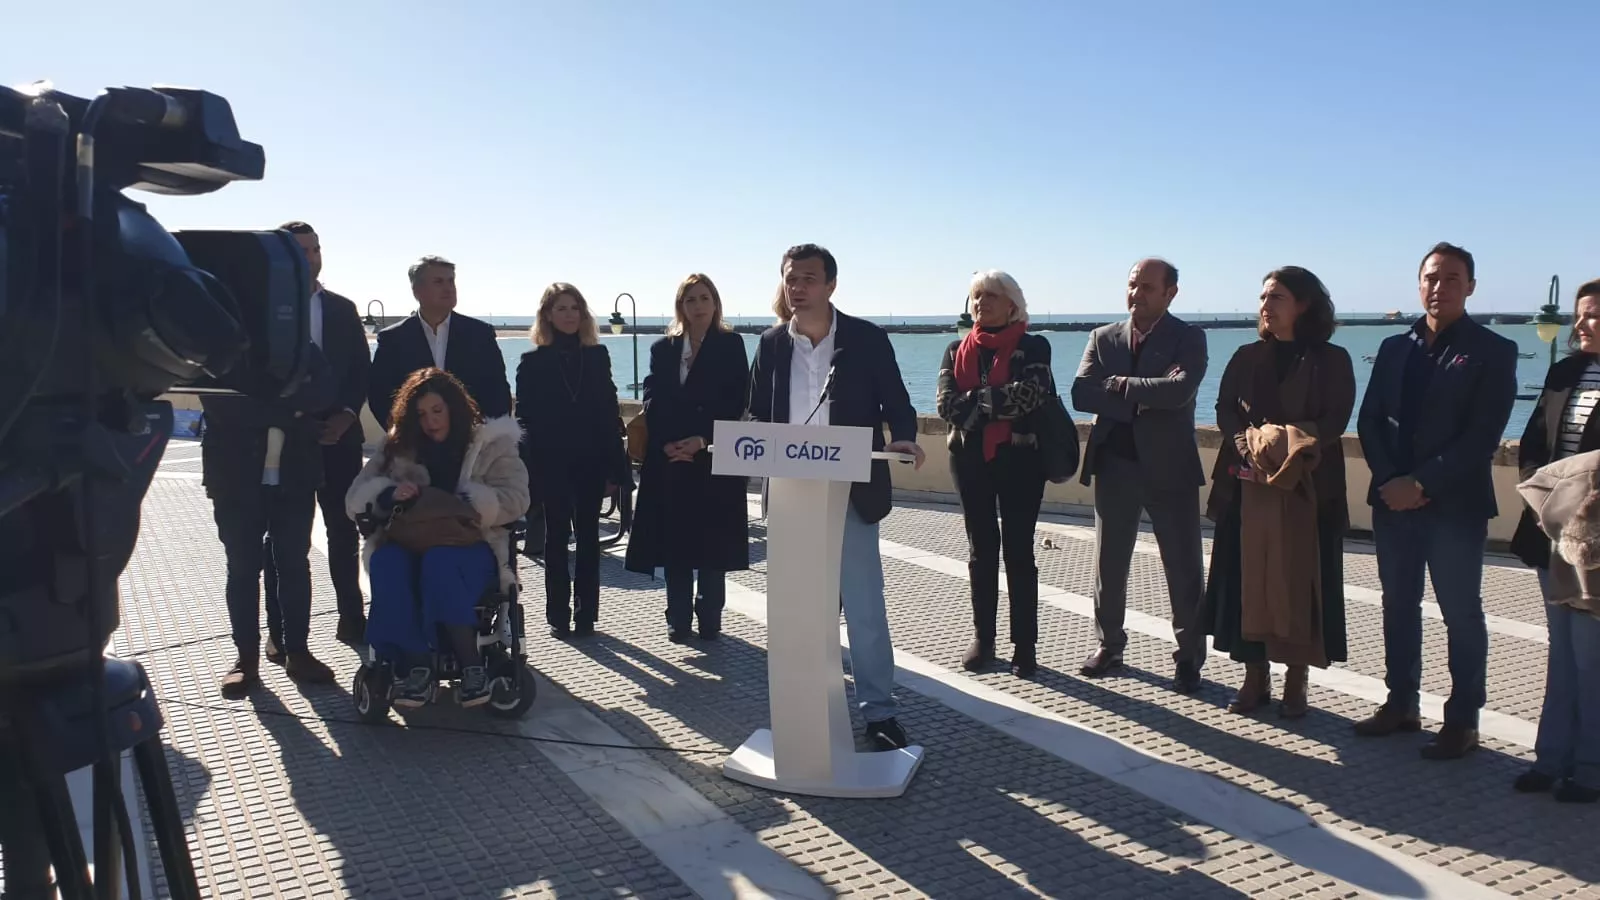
{"points": [[1564, 498], [493, 478]]}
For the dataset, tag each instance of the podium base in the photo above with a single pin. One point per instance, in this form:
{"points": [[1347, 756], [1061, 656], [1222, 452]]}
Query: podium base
{"points": [[885, 774]]}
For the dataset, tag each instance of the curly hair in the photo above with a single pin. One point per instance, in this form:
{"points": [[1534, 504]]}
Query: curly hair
{"points": [[405, 423]]}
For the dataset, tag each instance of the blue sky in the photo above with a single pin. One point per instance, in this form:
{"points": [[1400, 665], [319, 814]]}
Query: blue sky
{"points": [[621, 144]]}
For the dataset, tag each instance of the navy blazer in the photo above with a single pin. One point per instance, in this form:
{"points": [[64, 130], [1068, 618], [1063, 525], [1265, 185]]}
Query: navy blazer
{"points": [[472, 355], [867, 391], [1462, 418], [344, 343]]}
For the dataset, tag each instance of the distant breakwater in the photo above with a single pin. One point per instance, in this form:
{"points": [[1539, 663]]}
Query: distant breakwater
{"points": [[1037, 325]]}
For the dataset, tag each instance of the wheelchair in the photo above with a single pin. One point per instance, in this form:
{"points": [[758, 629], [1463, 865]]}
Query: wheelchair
{"points": [[501, 639]]}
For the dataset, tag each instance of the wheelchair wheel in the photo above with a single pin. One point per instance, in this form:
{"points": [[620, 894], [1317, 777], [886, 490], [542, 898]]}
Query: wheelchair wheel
{"points": [[510, 700], [371, 693]]}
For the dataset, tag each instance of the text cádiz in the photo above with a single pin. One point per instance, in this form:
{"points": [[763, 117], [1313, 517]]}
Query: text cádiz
{"points": [[816, 452]]}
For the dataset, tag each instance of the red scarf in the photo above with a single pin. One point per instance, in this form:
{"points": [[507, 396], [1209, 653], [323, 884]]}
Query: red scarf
{"points": [[1003, 343]]}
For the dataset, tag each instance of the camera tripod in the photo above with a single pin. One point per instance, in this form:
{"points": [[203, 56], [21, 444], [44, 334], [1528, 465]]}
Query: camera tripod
{"points": [[46, 731]]}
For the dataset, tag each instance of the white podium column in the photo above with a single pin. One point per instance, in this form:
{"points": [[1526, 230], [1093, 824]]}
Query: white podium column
{"points": [[810, 748], [811, 736]]}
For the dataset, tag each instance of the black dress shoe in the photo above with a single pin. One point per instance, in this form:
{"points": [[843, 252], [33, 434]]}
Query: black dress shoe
{"points": [[1101, 662], [978, 656], [1533, 781], [887, 735], [1187, 679], [1572, 792], [1388, 720], [583, 629], [710, 632], [1452, 742], [274, 651], [561, 632], [679, 635]]}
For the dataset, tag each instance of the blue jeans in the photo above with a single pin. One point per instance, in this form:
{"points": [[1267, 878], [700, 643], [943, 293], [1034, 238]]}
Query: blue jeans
{"points": [[1568, 745], [866, 618], [412, 596], [1449, 549]]}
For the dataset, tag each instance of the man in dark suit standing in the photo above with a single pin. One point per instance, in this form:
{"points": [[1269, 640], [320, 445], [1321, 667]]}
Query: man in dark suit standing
{"points": [[336, 330], [790, 369], [437, 336], [1139, 379], [261, 462], [1430, 425]]}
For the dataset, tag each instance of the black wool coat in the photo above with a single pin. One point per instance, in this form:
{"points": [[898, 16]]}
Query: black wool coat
{"points": [[684, 515]]}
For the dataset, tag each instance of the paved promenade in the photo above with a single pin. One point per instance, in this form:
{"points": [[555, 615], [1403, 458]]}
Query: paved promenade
{"points": [[1056, 787]]}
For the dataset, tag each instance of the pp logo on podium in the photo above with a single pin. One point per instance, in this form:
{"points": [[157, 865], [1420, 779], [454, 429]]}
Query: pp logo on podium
{"points": [[747, 447]]}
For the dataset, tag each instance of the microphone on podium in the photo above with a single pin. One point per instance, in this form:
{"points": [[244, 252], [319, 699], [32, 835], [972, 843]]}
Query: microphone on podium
{"points": [[827, 385]]}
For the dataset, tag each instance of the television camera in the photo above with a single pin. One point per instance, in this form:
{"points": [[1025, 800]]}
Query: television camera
{"points": [[102, 311]]}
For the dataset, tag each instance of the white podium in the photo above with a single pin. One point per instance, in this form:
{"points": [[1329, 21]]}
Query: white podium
{"points": [[810, 748]]}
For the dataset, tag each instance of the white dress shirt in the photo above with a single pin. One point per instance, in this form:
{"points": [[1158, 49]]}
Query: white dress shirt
{"points": [[316, 317], [438, 339], [808, 371], [683, 362]]}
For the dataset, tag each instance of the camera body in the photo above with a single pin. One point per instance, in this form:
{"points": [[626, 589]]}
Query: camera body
{"points": [[102, 311]]}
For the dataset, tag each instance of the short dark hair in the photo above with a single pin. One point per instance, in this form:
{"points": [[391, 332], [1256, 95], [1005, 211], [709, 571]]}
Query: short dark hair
{"points": [[1316, 324], [830, 266], [1172, 272], [297, 227], [1445, 248]]}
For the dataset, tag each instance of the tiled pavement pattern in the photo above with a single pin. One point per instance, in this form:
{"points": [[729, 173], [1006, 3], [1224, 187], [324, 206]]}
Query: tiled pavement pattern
{"points": [[293, 807], [1461, 816]]}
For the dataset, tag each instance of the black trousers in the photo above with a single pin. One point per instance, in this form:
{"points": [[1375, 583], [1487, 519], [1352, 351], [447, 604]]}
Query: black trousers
{"points": [[1014, 482], [683, 604], [341, 463], [573, 511], [243, 519]]}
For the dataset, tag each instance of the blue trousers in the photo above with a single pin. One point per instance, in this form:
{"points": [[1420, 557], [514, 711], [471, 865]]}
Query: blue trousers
{"points": [[1449, 549], [866, 619], [1568, 745], [413, 595]]}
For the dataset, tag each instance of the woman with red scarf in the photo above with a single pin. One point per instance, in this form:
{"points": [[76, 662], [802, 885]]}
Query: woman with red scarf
{"points": [[989, 383]]}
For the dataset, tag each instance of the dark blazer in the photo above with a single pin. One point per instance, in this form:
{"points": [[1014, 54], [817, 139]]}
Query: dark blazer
{"points": [[233, 449], [1319, 387], [1158, 401], [684, 515], [868, 391], [344, 343], [1538, 447], [567, 435], [472, 355], [1462, 417]]}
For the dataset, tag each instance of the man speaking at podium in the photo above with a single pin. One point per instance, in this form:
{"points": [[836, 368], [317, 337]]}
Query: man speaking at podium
{"points": [[822, 367]]}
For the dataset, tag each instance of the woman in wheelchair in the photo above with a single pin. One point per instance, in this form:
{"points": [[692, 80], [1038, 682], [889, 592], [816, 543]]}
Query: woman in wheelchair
{"points": [[438, 437]]}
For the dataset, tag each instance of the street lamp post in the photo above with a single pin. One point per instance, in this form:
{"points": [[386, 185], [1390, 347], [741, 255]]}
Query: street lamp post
{"points": [[370, 323], [1548, 322], [616, 328]]}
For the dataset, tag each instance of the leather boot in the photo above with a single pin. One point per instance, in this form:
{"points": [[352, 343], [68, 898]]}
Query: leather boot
{"points": [[1294, 703], [244, 676], [979, 655], [1256, 691], [1024, 664]]}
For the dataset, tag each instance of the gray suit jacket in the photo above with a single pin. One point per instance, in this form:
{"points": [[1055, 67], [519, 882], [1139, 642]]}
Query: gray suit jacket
{"points": [[1158, 399]]}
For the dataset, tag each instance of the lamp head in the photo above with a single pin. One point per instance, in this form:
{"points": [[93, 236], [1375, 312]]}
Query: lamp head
{"points": [[616, 322]]}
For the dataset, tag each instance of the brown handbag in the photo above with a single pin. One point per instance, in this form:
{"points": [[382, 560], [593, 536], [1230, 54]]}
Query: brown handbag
{"points": [[638, 438], [436, 518]]}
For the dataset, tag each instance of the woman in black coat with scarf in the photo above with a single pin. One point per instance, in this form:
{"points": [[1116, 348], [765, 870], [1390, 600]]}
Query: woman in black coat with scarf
{"points": [[572, 427], [688, 521]]}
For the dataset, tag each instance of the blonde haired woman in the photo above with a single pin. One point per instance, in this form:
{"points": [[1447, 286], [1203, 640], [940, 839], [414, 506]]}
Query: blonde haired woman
{"points": [[567, 405], [989, 383], [689, 522]]}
